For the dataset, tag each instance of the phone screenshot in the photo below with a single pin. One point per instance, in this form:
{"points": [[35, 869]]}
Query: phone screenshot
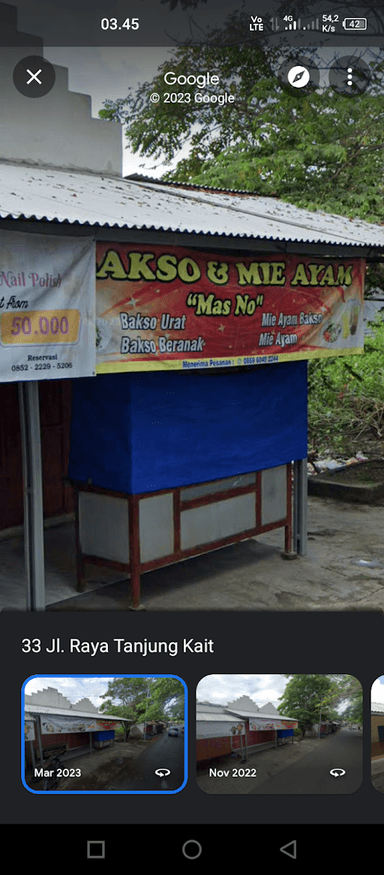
{"points": [[191, 429]]}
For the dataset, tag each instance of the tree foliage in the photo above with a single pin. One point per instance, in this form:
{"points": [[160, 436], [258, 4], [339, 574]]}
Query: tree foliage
{"points": [[322, 151], [319, 151], [309, 696], [346, 395], [140, 699], [303, 698], [350, 692]]}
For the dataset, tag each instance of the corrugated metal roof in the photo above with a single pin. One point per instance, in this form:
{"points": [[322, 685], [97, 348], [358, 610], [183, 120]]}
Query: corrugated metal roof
{"points": [[191, 186], [377, 707], [209, 717], [72, 197], [31, 710], [224, 713], [260, 715], [212, 707]]}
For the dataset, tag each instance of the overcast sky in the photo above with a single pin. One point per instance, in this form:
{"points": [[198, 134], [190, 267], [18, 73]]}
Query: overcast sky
{"points": [[377, 691], [224, 688], [215, 688], [261, 688], [74, 688]]}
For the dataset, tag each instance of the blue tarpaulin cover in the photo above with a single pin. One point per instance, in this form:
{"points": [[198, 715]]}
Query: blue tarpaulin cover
{"points": [[142, 432], [104, 735]]}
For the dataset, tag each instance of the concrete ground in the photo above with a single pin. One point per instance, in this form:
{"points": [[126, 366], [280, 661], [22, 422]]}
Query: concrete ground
{"points": [[97, 769], [343, 570], [305, 763]]}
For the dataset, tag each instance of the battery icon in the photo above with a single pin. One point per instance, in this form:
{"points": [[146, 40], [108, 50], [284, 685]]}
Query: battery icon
{"points": [[355, 24]]}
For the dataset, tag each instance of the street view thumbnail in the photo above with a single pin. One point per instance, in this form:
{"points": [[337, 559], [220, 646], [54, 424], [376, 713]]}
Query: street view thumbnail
{"points": [[377, 734], [279, 734], [116, 734]]}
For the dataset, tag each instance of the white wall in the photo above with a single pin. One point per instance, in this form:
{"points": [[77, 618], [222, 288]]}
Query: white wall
{"points": [[50, 697], [57, 129]]}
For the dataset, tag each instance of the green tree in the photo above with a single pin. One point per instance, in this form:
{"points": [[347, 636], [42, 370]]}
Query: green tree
{"points": [[354, 711], [346, 398], [320, 151], [306, 696], [140, 699], [126, 697], [349, 692], [168, 694]]}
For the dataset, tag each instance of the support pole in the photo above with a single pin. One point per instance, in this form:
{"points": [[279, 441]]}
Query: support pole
{"points": [[300, 514], [38, 733], [134, 551], [33, 496]]}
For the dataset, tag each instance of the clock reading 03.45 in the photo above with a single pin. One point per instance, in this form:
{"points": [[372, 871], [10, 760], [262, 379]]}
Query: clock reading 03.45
{"points": [[113, 24]]}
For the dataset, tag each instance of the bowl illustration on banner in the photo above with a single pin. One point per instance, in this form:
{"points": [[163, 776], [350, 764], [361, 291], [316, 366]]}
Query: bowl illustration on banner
{"points": [[103, 335], [350, 318], [354, 316], [331, 332], [345, 321]]}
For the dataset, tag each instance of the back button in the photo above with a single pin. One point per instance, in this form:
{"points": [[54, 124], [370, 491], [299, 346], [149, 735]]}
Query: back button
{"points": [[290, 850]]}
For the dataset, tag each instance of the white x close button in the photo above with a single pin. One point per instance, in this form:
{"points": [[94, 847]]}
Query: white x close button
{"points": [[34, 76]]}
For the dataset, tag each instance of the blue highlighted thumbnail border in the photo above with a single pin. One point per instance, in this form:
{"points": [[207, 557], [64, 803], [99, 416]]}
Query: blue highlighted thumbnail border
{"points": [[104, 792]]}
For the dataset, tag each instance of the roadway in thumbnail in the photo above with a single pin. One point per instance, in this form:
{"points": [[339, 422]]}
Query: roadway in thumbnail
{"points": [[303, 767], [165, 752]]}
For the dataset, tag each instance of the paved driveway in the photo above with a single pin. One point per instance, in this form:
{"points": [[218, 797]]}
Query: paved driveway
{"points": [[302, 767], [343, 570]]}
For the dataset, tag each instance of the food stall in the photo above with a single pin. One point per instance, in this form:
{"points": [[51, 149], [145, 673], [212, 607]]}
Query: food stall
{"points": [[192, 285], [51, 721], [190, 437], [239, 728]]}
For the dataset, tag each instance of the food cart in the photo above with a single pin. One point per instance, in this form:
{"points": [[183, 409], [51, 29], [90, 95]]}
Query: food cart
{"points": [[194, 433], [199, 300]]}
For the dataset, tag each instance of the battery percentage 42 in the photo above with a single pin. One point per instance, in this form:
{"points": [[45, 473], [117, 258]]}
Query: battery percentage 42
{"points": [[355, 24]]}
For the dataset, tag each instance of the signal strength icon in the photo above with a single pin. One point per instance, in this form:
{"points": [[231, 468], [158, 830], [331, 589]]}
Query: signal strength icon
{"points": [[312, 25], [295, 24]]}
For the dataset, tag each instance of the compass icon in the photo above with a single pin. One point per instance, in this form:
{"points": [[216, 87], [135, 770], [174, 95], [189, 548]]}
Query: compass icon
{"points": [[298, 76]]}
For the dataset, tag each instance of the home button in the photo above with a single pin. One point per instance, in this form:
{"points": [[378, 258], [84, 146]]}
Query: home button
{"points": [[192, 849]]}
